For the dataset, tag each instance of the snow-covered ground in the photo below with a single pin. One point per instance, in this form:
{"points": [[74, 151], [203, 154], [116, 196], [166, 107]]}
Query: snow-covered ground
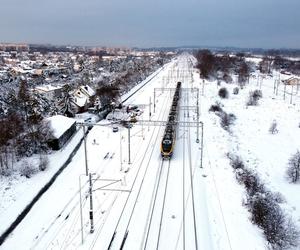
{"points": [[17, 191], [157, 208]]}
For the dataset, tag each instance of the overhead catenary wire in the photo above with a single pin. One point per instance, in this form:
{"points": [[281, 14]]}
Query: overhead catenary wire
{"points": [[192, 188], [152, 206], [163, 206], [139, 191], [135, 179]]}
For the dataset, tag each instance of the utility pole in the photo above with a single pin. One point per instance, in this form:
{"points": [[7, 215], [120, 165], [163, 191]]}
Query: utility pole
{"points": [[292, 94], [121, 166], [85, 151], [149, 111], [129, 143], [149, 107], [154, 101], [197, 140], [201, 162], [143, 128], [80, 202], [91, 203], [278, 82]]}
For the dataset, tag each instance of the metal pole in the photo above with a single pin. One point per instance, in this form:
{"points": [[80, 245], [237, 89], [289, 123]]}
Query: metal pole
{"points": [[154, 101], [121, 166], [91, 203], [85, 152], [149, 112], [149, 107], [129, 145], [278, 82], [197, 139], [202, 127], [143, 128], [80, 202], [292, 94]]}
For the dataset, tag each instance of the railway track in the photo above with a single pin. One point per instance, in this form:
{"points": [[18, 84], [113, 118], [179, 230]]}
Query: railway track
{"points": [[150, 147], [160, 189], [67, 211]]}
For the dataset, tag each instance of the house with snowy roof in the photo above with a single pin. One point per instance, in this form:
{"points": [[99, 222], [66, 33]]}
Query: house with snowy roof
{"points": [[49, 91], [81, 98], [87, 90], [63, 129]]}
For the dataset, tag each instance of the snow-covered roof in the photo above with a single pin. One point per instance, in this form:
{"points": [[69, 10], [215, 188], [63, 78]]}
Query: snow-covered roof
{"points": [[47, 88], [60, 124], [87, 90]]}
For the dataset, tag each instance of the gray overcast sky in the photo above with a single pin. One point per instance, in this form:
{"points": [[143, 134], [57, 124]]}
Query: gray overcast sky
{"points": [[240, 23]]}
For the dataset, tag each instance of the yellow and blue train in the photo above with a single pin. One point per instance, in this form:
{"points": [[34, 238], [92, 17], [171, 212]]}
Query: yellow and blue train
{"points": [[169, 138]]}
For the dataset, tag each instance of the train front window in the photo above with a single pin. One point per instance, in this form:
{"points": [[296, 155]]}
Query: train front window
{"points": [[166, 145]]}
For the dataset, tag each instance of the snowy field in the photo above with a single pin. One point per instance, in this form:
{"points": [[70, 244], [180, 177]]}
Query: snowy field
{"points": [[143, 202]]}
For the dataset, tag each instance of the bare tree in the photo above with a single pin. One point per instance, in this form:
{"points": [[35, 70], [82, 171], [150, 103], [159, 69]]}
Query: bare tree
{"points": [[206, 63], [243, 73], [273, 128], [293, 171], [23, 99]]}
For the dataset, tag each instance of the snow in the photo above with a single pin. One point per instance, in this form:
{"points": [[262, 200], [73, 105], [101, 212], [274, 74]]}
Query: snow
{"points": [[87, 89], [60, 124], [47, 88], [222, 222], [17, 191]]}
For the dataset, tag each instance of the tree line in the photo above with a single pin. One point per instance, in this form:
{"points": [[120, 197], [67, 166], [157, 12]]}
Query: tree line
{"points": [[23, 130], [222, 66]]}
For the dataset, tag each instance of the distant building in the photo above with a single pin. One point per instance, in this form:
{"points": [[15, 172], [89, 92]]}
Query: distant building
{"points": [[14, 47]]}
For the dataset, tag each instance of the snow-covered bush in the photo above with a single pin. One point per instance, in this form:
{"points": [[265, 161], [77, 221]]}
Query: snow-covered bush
{"points": [[223, 93], [216, 107], [279, 230], [43, 163], [278, 197], [293, 171], [227, 120], [253, 98], [251, 181], [236, 90], [235, 161], [257, 94], [27, 169], [273, 128], [263, 205]]}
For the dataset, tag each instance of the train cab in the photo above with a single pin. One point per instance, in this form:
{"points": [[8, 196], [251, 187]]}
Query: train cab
{"points": [[167, 147]]}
